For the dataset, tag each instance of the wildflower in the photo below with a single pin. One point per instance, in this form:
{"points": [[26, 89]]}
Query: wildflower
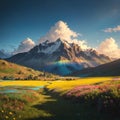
{"points": [[6, 117], [10, 113], [2, 111]]}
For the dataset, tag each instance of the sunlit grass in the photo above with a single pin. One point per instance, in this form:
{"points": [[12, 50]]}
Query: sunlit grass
{"points": [[23, 83], [60, 85], [28, 103], [63, 86], [19, 106]]}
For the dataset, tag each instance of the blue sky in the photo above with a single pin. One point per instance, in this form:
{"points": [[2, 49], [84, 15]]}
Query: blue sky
{"points": [[20, 19]]}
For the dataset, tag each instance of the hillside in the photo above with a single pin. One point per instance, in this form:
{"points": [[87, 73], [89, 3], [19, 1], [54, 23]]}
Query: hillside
{"points": [[12, 71], [108, 69]]}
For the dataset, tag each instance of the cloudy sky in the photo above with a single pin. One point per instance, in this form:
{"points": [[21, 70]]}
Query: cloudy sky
{"points": [[95, 23]]}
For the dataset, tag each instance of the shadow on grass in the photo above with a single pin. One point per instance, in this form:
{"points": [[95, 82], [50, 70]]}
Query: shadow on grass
{"points": [[62, 109]]}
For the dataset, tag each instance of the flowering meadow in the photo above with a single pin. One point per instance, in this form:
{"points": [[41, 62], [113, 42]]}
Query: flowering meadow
{"points": [[106, 98], [16, 103], [102, 96], [95, 98]]}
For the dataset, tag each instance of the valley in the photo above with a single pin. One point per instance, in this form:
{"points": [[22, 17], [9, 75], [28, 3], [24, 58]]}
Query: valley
{"points": [[56, 100], [59, 60], [28, 94], [59, 57]]}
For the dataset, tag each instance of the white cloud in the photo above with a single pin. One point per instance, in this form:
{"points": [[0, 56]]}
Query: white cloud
{"points": [[115, 29], [62, 31], [24, 46], [110, 48]]}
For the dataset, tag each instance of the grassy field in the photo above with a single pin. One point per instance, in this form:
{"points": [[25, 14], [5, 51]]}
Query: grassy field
{"points": [[64, 86], [23, 83], [82, 99]]}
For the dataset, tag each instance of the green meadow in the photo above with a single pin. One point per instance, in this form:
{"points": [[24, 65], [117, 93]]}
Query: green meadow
{"points": [[95, 98]]}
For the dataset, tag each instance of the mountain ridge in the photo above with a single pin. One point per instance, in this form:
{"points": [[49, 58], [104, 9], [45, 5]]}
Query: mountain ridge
{"points": [[53, 56], [108, 69], [4, 55]]}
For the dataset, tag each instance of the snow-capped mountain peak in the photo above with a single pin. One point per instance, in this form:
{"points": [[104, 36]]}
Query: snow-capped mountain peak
{"points": [[49, 48], [50, 56]]}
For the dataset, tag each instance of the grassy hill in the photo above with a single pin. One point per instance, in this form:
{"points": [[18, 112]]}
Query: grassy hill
{"points": [[13, 71], [108, 69]]}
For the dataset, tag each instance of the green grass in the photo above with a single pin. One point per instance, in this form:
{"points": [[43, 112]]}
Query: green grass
{"points": [[21, 104], [52, 103], [64, 86], [11, 71]]}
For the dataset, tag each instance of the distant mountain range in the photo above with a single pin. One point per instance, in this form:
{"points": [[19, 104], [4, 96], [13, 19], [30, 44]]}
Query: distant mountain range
{"points": [[3, 54], [59, 57], [108, 69]]}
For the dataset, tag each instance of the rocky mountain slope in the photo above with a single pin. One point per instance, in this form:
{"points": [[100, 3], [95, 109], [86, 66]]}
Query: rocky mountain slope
{"points": [[59, 57]]}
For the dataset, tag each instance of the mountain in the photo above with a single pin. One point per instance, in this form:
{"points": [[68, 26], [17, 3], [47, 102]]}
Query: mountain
{"points": [[12, 71], [108, 69], [59, 57], [3, 54]]}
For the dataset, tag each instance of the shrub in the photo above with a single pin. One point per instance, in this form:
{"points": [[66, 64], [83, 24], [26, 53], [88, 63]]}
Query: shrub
{"points": [[8, 78], [30, 77], [20, 72]]}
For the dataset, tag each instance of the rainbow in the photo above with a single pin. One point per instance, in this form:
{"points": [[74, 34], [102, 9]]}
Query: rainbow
{"points": [[61, 62]]}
